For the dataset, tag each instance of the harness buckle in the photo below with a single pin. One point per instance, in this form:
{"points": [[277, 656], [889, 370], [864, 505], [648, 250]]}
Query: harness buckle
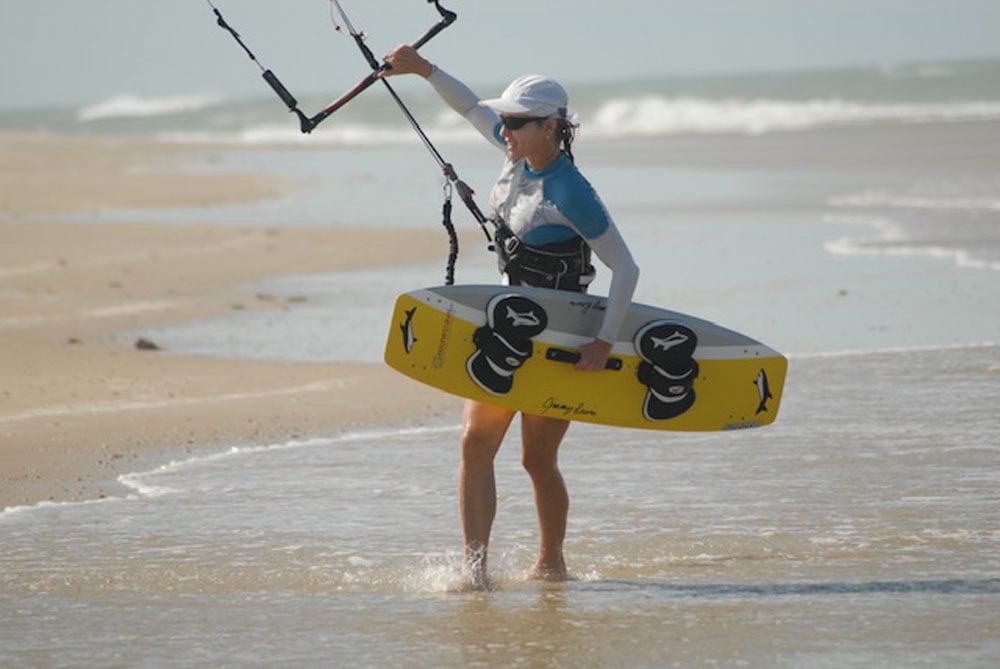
{"points": [[511, 244]]}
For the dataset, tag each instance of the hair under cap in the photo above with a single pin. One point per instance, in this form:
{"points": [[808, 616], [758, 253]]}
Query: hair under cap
{"points": [[532, 95]]}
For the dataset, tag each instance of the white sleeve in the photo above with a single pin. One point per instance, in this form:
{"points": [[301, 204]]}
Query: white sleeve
{"points": [[613, 252], [461, 98]]}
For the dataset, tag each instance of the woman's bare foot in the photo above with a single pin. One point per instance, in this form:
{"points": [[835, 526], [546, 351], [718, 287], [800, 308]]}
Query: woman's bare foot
{"points": [[474, 577], [472, 581], [545, 573]]}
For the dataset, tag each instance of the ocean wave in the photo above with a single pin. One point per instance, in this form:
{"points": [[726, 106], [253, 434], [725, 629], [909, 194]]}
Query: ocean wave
{"points": [[259, 121], [891, 240], [883, 199], [615, 118], [896, 350], [657, 115], [333, 134], [134, 106], [921, 71]]}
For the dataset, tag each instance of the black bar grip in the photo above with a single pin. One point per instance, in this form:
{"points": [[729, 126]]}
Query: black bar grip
{"points": [[448, 19], [572, 357], [280, 89]]}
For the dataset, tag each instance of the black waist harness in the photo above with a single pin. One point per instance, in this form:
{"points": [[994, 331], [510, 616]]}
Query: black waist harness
{"points": [[564, 265]]}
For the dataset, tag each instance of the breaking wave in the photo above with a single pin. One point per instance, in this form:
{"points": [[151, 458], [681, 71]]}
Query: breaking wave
{"points": [[613, 118], [134, 106], [656, 115], [884, 199], [890, 239]]}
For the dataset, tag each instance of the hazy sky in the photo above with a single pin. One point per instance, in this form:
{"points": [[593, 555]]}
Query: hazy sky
{"points": [[84, 51]]}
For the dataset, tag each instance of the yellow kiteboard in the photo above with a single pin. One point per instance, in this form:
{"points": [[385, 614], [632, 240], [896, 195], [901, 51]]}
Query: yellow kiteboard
{"points": [[515, 347]]}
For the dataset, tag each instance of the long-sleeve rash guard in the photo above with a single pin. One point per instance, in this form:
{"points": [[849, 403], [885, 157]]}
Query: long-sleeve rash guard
{"points": [[551, 205]]}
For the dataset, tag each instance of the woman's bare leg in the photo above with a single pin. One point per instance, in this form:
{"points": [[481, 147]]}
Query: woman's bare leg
{"points": [[541, 438], [484, 427]]}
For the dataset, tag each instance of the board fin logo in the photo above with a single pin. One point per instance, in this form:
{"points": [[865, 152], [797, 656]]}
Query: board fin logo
{"points": [[668, 369], [409, 338], [763, 391], [504, 343]]}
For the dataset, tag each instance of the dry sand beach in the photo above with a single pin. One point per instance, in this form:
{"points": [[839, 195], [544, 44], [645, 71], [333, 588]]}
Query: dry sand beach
{"points": [[80, 404]]}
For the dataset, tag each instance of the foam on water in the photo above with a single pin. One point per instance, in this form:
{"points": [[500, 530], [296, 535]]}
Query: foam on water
{"points": [[680, 116], [882, 198], [133, 106], [624, 117], [892, 240]]}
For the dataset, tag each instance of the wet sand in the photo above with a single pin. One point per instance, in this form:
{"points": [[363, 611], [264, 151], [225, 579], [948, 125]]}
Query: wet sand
{"points": [[79, 402]]}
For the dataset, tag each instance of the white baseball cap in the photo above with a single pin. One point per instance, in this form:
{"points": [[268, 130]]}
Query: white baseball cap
{"points": [[532, 95]]}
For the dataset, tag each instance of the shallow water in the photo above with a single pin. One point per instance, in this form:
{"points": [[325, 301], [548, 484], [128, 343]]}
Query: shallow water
{"points": [[860, 530]]}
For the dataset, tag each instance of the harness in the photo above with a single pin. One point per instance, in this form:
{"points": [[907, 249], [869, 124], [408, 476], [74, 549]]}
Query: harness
{"points": [[562, 265]]}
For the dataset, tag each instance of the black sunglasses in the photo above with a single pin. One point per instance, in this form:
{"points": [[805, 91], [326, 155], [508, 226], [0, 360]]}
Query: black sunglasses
{"points": [[518, 122]]}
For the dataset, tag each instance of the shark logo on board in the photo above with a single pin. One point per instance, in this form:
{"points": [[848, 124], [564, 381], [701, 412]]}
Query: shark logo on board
{"points": [[763, 391], [409, 338], [666, 343], [518, 319]]}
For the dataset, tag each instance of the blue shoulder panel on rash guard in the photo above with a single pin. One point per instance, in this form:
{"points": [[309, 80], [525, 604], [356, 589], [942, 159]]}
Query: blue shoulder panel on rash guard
{"points": [[573, 195]]}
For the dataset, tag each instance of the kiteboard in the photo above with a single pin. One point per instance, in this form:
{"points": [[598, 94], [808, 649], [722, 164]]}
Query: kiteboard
{"points": [[516, 347]]}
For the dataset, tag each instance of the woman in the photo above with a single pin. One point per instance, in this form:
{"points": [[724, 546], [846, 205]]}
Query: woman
{"points": [[549, 219]]}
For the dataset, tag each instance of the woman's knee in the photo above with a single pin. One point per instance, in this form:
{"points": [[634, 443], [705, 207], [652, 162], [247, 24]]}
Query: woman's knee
{"points": [[482, 433], [479, 446], [541, 439], [539, 462]]}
